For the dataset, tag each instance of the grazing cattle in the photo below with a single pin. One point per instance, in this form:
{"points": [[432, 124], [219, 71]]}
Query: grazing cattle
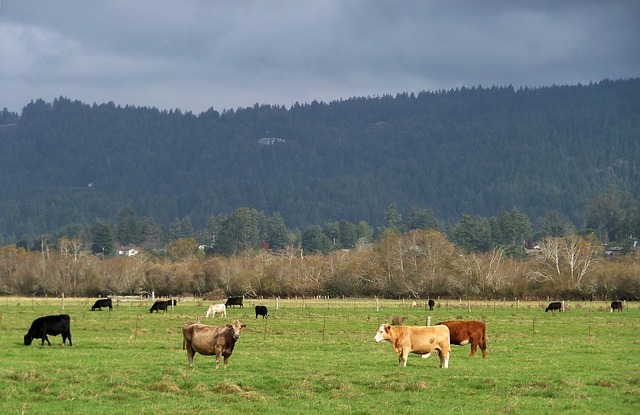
{"points": [[234, 301], [431, 304], [616, 305], [53, 325], [162, 305], [261, 310], [465, 332], [216, 308], [103, 302], [557, 305], [210, 340], [418, 340]]}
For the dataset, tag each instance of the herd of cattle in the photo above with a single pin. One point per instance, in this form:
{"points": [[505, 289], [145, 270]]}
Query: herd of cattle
{"points": [[220, 340]]}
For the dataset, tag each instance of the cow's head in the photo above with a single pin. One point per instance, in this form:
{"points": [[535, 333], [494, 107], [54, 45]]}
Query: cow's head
{"points": [[236, 327], [383, 333], [27, 340]]}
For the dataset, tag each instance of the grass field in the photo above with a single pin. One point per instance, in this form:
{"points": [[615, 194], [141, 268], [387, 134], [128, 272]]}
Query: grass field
{"points": [[318, 356]]}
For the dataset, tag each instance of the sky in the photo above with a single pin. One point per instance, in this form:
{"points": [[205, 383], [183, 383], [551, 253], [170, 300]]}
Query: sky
{"points": [[194, 55]]}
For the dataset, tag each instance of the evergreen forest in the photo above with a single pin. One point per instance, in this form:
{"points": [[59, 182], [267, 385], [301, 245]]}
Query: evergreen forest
{"points": [[562, 156]]}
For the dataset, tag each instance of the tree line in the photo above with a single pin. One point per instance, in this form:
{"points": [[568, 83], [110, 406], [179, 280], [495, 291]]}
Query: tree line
{"points": [[612, 216], [412, 256], [414, 264]]}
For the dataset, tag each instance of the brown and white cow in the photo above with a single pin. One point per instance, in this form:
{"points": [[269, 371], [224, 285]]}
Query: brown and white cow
{"points": [[465, 332], [210, 340], [416, 339]]}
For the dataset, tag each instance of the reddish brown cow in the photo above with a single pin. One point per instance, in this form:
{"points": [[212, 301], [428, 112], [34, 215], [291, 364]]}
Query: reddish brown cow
{"points": [[416, 339], [210, 340], [465, 332]]}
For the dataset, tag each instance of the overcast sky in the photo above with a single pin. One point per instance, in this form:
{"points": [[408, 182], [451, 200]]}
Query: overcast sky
{"points": [[194, 55]]}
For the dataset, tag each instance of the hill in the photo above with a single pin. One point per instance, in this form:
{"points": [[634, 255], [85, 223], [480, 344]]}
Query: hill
{"points": [[469, 150]]}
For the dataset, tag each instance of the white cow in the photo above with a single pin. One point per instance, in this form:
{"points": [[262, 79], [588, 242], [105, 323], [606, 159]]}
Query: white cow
{"points": [[216, 308]]}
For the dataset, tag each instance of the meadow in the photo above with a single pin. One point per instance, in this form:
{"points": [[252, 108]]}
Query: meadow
{"points": [[319, 357]]}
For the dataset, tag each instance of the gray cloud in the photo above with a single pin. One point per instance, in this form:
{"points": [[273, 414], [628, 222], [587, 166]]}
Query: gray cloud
{"points": [[194, 55]]}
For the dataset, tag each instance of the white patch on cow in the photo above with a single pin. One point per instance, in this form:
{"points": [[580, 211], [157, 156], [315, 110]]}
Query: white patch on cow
{"points": [[378, 337], [424, 356], [464, 342]]}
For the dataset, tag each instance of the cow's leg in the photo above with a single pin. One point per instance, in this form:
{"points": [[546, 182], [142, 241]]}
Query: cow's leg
{"points": [[44, 337], [218, 350], [225, 361], [66, 336], [190, 353], [444, 358], [483, 347], [402, 357], [474, 346]]}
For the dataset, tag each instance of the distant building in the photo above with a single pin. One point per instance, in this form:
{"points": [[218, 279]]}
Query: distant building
{"points": [[266, 141], [127, 251]]}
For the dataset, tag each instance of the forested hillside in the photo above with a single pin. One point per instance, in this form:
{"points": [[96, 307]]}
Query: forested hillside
{"points": [[471, 150]]}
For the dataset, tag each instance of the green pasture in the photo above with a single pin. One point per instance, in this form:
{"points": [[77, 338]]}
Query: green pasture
{"points": [[318, 356]]}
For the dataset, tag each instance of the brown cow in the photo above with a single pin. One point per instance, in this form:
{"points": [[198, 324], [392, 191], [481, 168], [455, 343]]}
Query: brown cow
{"points": [[210, 340], [465, 332], [418, 340]]}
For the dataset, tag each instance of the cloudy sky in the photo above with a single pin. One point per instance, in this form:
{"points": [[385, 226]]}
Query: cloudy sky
{"points": [[198, 54]]}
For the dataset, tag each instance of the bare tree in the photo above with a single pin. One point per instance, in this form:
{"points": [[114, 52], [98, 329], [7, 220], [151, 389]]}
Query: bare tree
{"points": [[564, 262]]}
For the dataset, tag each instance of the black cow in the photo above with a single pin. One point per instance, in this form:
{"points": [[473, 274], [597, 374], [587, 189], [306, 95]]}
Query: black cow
{"points": [[616, 305], [261, 311], [103, 302], [556, 305], [53, 325], [431, 304], [234, 301], [162, 305]]}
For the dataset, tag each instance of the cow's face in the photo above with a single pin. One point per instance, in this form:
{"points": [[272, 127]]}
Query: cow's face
{"points": [[236, 327], [27, 340], [383, 333]]}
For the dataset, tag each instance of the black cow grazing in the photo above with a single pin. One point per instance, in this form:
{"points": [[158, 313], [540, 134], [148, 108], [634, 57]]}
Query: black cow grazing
{"points": [[162, 305], [234, 301], [616, 305], [261, 311], [52, 325], [103, 302], [556, 305], [431, 304]]}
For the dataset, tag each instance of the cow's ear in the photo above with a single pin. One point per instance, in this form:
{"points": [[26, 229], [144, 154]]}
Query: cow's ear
{"points": [[387, 328], [243, 326], [229, 325]]}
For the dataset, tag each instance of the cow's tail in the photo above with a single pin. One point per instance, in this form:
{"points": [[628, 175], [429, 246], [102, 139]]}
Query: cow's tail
{"points": [[484, 336]]}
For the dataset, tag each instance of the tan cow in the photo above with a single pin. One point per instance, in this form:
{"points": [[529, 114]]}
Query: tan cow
{"points": [[465, 332], [210, 340], [416, 339]]}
